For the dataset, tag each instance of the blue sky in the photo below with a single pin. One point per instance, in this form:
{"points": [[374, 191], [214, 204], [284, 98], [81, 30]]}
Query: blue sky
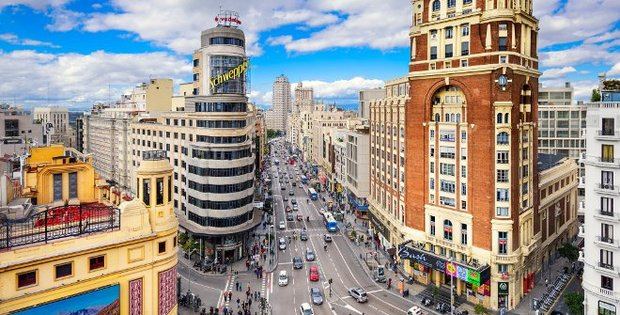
{"points": [[75, 53]]}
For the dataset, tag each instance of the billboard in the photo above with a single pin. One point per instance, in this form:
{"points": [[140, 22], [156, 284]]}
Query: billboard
{"points": [[101, 301]]}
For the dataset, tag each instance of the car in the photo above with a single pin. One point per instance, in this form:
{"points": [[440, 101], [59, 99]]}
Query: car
{"points": [[305, 309], [282, 225], [282, 278], [291, 193], [298, 263], [288, 209], [415, 310], [289, 217], [295, 207], [293, 201], [310, 256], [300, 217], [284, 198], [282, 243], [303, 235], [282, 188], [358, 294], [294, 184], [316, 296], [313, 274], [327, 238]]}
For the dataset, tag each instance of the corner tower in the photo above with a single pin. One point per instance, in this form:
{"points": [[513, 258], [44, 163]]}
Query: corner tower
{"points": [[471, 175]]}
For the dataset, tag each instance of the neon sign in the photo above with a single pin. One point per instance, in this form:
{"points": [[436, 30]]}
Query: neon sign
{"points": [[231, 74], [228, 18]]}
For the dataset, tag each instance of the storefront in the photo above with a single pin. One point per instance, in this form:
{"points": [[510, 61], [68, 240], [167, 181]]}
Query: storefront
{"points": [[359, 205], [468, 281], [380, 232]]}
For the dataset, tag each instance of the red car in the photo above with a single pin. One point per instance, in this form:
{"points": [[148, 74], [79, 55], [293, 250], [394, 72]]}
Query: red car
{"points": [[314, 273]]}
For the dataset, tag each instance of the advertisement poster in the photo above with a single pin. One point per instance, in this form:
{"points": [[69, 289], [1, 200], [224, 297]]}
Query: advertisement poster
{"points": [[102, 301]]}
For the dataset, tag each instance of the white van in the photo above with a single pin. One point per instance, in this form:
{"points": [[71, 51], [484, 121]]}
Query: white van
{"points": [[415, 310], [282, 278]]}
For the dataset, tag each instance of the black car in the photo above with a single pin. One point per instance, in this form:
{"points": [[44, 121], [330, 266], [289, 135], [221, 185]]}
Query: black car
{"points": [[303, 235], [298, 263], [289, 217], [282, 188]]}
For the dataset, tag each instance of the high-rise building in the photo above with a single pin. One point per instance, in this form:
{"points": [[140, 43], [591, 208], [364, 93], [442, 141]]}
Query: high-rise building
{"points": [[56, 124], [472, 155], [18, 131], [366, 97], [304, 98], [211, 148], [387, 164], [281, 102], [602, 161], [66, 247]]}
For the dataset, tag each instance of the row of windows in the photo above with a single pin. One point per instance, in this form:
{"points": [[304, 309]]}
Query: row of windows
{"points": [[221, 189], [224, 140], [220, 222], [226, 41], [220, 205], [220, 107], [221, 123], [221, 155], [221, 172], [451, 4], [66, 269], [449, 50]]}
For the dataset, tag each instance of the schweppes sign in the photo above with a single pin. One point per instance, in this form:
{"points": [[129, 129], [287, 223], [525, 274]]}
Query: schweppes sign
{"points": [[231, 74]]}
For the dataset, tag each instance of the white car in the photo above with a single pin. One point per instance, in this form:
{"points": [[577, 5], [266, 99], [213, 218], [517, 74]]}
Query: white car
{"points": [[282, 278], [305, 309], [282, 243], [282, 225], [415, 310]]}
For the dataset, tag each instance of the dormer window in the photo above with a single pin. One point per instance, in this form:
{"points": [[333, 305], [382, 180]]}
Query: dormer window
{"points": [[436, 5]]}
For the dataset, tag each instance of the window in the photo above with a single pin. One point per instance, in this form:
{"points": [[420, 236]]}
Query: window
{"points": [[447, 186], [146, 192], [449, 52], [503, 59], [503, 43], [501, 211], [502, 138], [96, 263], [161, 247], [465, 30], [463, 171], [607, 180], [57, 187], [26, 279], [502, 157], [447, 230], [467, 2], [605, 308], [464, 48], [502, 238], [451, 3], [449, 32], [463, 189], [433, 52], [502, 176], [607, 153], [432, 232], [73, 185], [608, 127], [607, 206], [196, 62], [447, 152], [607, 233], [502, 268], [446, 169], [160, 190], [502, 194], [607, 283], [464, 234], [500, 118], [464, 63], [436, 5], [63, 270]]}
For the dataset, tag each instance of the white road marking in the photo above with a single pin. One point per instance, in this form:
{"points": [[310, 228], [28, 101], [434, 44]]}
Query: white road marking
{"points": [[351, 308]]}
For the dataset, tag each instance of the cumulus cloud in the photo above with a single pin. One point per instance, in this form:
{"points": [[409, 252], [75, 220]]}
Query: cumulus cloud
{"points": [[15, 40], [35, 4], [615, 70], [557, 72], [341, 88], [260, 98], [581, 54], [79, 79]]}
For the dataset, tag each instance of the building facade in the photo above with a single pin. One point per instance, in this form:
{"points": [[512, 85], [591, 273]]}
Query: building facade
{"points": [[212, 151], [475, 63], [357, 163], [18, 131], [602, 162], [365, 99], [56, 124], [387, 164], [281, 103], [85, 253]]}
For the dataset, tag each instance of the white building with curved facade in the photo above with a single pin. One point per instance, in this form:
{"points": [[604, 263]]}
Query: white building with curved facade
{"points": [[211, 148]]}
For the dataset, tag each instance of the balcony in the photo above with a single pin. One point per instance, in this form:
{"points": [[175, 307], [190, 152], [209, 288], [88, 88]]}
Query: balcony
{"points": [[581, 256], [582, 231], [582, 208], [607, 189], [609, 216], [505, 259], [610, 135], [607, 242], [607, 268]]}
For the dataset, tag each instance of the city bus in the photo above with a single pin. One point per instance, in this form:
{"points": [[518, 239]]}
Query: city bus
{"points": [[330, 223], [312, 193], [304, 179]]}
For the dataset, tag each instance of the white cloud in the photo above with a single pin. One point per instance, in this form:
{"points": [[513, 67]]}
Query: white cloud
{"points": [[557, 72], [35, 4], [15, 40], [64, 20], [581, 54], [615, 70], [260, 98], [341, 88], [77, 79]]}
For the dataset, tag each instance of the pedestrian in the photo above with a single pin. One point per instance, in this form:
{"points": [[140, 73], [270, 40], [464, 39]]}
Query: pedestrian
{"points": [[238, 302], [546, 282], [237, 286], [250, 302]]}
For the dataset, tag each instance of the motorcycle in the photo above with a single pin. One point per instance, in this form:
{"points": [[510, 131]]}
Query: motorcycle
{"points": [[308, 219], [427, 301]]}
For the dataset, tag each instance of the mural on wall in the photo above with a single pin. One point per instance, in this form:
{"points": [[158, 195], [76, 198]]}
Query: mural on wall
{"points": [[135, 297], [167, 290], [102, 301]]}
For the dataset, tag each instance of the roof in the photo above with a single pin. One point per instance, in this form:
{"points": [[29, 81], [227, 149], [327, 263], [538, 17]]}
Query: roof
{"points": [[547, 161]]}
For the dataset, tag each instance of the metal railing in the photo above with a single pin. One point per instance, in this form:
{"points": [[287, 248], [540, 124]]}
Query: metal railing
{"points": [[57, 223]]}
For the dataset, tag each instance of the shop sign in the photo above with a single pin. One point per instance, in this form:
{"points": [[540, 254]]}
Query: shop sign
{"points": [[377, 225], [473, 277], [451, 269], [502, 288], [461, 272], [231, 74]]}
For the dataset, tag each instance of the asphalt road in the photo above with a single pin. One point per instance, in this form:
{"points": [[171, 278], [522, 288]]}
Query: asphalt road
{"points": [[338, 262]]}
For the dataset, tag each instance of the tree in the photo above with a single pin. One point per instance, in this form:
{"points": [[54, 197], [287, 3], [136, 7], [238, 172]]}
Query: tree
{"points": [[569, 252], [596, 96], [271, 134], [190, 244], [182, 238], [574, 301]]}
